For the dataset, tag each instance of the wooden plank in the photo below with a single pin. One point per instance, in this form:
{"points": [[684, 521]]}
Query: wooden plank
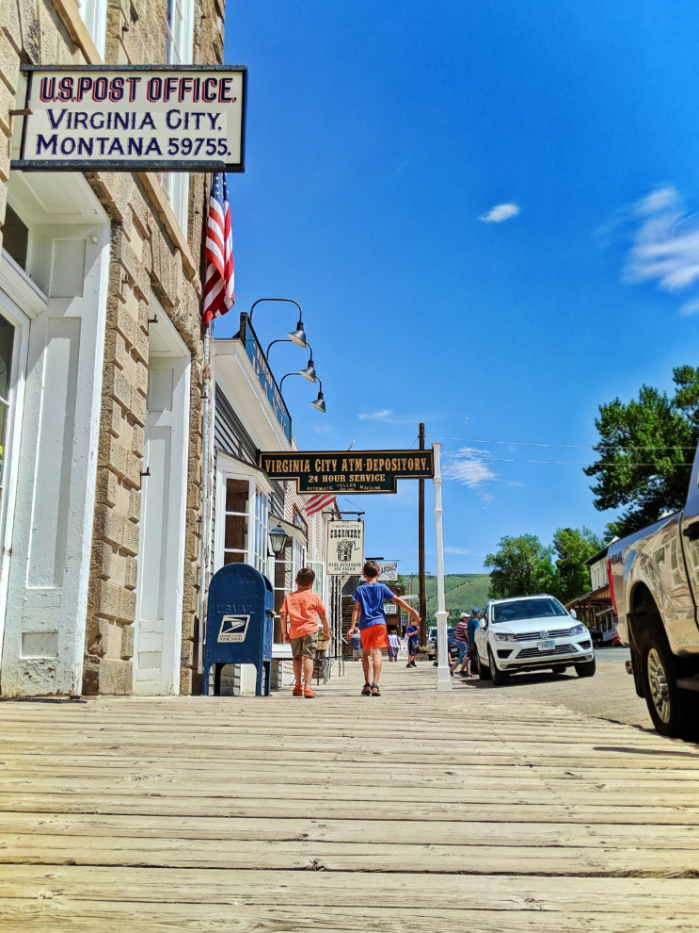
{"points": [[459, 831], [61, 915], [378, 856], [501, 892], [183, 806]]}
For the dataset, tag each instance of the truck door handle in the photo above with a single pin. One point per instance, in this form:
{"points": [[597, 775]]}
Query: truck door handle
{"points": [[691, 531]]}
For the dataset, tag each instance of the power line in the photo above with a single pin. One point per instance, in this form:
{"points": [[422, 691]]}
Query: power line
{"points": [[473, 440]]}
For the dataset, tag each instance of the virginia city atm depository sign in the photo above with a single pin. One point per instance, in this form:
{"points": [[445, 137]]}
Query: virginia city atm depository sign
{"points": [[339, 471]]}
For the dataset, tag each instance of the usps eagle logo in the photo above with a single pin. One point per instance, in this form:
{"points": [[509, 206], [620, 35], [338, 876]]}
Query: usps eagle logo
{"points": [[233, 629]]}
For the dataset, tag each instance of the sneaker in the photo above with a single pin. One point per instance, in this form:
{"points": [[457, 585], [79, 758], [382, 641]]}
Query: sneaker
{"points": [[464, 674], [309, 694], [298, 690]]}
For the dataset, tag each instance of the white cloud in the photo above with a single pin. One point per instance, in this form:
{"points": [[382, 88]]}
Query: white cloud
{"points": [[468, 467], [458, 550], [664, 244], [499, 213], [515, 483], [376, 415]]}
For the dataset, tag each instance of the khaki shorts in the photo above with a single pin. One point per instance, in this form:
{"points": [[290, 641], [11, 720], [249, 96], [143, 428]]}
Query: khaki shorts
{"points": [[305, 646]]}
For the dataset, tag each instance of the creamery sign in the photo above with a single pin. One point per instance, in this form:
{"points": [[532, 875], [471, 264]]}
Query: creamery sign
{"points": [[180, 118], [342, 471]]}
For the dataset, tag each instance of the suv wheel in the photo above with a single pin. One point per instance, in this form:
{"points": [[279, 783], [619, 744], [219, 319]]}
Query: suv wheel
{"points": [[482, 669], [498, 677], [559, 668], [587, 669], [670, 709]]}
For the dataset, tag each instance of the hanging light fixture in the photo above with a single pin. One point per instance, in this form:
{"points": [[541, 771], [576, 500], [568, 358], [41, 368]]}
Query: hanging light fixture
{"points": [[278, 539], [309, 372], [319, 403], [297, 336]]}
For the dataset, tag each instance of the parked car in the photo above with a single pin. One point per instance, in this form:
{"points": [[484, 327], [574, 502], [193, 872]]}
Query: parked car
{"points": [[654, 585], [432, 642], [531, 633]]}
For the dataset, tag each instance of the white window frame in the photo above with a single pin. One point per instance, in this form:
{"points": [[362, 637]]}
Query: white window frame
{"points": [[180, 51], [256, 514], [94, 15]]}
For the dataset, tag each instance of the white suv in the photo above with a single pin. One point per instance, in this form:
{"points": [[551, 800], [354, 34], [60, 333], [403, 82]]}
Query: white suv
{"points": [[531, 633]]}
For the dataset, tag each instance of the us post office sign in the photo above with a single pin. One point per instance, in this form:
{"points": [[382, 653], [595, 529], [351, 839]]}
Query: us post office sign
{"points": [[345, 548], [178, 118], [344, 471]]}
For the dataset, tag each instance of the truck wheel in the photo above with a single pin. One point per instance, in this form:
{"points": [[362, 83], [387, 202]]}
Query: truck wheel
{"points": [[483, 669], [587, 669], [498, 677], [670, 709]]}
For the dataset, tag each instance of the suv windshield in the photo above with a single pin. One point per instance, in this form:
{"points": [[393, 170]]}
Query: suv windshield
{"points": [[527, 609]]}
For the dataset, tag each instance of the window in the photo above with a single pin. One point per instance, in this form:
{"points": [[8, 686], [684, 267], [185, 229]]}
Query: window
{"points": [[15, 237], [94, 14], [235, 546], [260, 548], [180, 32], [7, 337], [246, 509], [180, 51]]}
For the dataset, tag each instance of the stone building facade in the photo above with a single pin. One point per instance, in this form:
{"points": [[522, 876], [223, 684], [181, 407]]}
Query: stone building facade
{"points": [[100, 308]]}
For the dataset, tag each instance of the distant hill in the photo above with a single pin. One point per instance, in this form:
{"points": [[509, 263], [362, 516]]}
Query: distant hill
{"points": [[462, 591]]}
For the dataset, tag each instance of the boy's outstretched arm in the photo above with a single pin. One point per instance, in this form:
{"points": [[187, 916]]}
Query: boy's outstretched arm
{"points": [[402, 603], [355, 619], [324, 623]]}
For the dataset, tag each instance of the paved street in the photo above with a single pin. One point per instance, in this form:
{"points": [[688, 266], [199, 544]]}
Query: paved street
{"points": [[477, 809], [610, 694]]}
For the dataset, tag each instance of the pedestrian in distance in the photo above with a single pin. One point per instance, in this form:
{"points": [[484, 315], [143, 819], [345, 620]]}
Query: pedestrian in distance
{"points": [[369, 615], [299, 617], [356, 642], [393, 646], [462, 643], [411, 633], [473, 623]]}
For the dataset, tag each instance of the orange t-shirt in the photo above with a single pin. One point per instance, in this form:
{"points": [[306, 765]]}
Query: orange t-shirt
{"points": [[303, 608]]}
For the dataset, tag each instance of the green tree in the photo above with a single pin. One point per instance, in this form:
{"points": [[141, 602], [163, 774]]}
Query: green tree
{"points": [[646, 449], [573, 548], [521, 567]]}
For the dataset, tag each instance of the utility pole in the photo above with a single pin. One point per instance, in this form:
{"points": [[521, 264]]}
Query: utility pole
{"points": [[421, 548]]}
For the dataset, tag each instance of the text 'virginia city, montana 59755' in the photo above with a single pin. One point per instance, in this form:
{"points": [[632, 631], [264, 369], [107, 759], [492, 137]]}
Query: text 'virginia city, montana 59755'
{"points": [[180, 118], [343, 471]]}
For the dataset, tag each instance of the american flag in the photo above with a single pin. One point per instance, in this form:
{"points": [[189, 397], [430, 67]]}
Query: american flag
{"points": [[317, 502], [219, 289]]}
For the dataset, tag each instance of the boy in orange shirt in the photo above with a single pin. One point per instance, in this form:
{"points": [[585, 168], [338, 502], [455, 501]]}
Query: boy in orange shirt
{"points": [[300, 610]]}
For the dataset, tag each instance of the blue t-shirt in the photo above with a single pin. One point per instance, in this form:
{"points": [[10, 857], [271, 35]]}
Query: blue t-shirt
{"points": [[473, 624], [371, 597]]}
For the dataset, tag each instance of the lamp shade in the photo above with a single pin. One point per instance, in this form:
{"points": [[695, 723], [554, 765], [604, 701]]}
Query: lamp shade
{"points": [[298, 336], [309, 372], [319, 403], [278, 538]]}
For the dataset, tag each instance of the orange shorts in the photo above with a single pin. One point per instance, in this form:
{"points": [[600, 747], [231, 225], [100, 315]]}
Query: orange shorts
{"points": [[376, 636]]}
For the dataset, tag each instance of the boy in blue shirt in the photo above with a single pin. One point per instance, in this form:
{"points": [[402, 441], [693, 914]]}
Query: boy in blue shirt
{"points": [[368, 611]]}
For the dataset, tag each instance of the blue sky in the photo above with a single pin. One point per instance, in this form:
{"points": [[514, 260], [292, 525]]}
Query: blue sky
{"points": [[486, 211]]}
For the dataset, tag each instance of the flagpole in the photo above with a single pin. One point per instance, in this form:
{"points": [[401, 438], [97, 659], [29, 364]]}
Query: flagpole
{"points": [[205, 499], [443, 675]]}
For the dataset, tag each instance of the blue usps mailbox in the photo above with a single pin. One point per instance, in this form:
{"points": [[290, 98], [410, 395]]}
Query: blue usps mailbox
{"points": [[239, 624]]}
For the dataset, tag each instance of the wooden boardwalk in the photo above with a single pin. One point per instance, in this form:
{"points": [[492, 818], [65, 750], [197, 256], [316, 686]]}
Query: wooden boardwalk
{"points": [[461, 811]]}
